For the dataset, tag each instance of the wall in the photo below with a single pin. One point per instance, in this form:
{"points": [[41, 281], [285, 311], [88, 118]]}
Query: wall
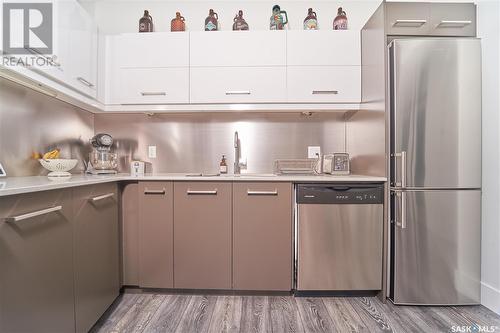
{"points": [[196, 142], [489, 31], [33, 122], [256, 13]]}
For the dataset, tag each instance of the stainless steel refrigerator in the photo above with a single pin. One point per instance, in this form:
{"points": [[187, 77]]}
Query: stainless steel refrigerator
{"points": [[435, 105]]}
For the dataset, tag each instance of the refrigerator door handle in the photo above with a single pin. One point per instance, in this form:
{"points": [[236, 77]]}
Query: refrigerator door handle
{"points": [[401, 219], [402, 155]]}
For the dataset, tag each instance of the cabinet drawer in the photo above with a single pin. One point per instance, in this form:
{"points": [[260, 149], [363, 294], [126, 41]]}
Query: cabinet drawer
{"points": [[202, 235], [159, 49], [453, 19], [262, 236], [404, 18], [323, 47], [238, 48], [36, 263], [238, 85], [336, 84], [153, 85], [156, 213]]}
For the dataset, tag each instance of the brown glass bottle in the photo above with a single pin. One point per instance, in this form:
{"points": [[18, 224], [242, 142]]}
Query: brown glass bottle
{"points": [[177, 24], [311, 21], [239, 22], [146, 23], [340, 22], [211, 22]]}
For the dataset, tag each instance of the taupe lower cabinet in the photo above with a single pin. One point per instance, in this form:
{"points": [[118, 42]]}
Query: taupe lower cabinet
{"points": [[59, 258], [97, 281], [202, 235], [36, 263], [262, 236], [156, 247]]}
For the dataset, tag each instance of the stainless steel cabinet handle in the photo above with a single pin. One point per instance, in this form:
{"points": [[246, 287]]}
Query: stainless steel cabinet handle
{"points": [[403, 210], [153, 93], [85, 82], [275, 192], [146, 191], [238, 92], [33, 214], [402, 155], [325, 92], [48, 59], [102, 197], [409, 23], [453, 24], [212, 192]]}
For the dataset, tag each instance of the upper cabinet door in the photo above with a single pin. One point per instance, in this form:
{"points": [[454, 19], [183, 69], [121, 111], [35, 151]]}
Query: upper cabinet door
{"points": [[237, 48], [405, 18], [152, 50], [453, 19], [323, 47]]}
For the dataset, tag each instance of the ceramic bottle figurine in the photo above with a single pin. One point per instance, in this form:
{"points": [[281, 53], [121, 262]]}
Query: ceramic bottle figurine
{"points": [[340, 22], [177, 24], [278, 22], [146, 23], [211, 23], [239, 22], [311, 21]]}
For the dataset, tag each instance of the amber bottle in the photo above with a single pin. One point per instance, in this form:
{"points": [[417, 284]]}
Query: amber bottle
{"points": [[211, 22], [146, 23], [177, 24]]}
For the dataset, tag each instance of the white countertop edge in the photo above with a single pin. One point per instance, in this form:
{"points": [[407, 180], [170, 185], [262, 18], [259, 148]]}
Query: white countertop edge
{"points": [[20, 185]]}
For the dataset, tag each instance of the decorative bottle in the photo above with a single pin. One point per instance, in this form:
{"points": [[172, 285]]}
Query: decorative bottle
{"points": [[177, 24], [239, 22], [311, 21], [340, 22], [211, 22], [277, 21], [146, 23]]}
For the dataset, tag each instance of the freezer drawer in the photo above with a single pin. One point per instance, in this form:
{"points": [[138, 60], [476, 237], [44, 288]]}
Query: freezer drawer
{"points": [[339, 247], [436, 247]]}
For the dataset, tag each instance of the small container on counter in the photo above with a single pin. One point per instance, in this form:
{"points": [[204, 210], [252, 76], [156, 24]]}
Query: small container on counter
{"points": [[223, 165]]}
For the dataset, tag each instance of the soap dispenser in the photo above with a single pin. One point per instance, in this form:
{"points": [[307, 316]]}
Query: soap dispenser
{"points": [[223, 165]]}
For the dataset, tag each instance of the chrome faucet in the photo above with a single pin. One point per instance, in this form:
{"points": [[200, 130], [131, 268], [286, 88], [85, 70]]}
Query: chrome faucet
{"points": [[238, 164]]}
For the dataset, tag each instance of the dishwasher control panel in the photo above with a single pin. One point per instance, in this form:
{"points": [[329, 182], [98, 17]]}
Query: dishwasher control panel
{"points": [[340, 194]]}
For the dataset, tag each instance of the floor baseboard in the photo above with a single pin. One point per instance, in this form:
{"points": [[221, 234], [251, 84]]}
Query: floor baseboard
{"points": [[490, 297]]}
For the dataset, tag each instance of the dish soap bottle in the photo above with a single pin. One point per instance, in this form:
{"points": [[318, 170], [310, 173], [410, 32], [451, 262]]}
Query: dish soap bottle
{"points": [[146, 23], [211, 23], [311, 21], [340, 22], [223, 165]]}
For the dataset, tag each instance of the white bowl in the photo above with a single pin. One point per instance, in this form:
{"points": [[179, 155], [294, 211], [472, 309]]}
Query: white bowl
{"points": [[59, 167]]}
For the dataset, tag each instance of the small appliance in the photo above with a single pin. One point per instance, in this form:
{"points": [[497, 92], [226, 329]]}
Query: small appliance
{"points": [[137, 168], [101, 159], [336, 164]]}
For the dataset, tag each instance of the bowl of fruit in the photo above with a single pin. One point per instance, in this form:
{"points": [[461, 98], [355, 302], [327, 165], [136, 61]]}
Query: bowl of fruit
{"points": [[58, 167]]}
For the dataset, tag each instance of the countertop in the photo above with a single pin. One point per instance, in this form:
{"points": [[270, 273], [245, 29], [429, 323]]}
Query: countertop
{"points": [[19, 185]]}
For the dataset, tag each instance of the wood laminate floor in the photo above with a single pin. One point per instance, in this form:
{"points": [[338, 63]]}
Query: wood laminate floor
{"points": [[148, 312]]}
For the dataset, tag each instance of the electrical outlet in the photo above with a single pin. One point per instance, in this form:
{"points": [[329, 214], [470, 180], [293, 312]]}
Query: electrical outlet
{"points": [[313, 151], [152, 151]]}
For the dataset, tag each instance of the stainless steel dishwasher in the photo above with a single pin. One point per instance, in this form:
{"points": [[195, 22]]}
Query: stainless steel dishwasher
{"points": [[339, 237]]}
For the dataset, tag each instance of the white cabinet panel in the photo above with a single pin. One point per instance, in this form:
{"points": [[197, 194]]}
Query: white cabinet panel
{"points": [[238, 48], [238, 85], [153, 86], [323, 47], [334, 84], [158, 49]]}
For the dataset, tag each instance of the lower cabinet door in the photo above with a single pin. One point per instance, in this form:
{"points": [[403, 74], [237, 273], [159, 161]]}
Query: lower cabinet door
{"points": [[202, 235], [97, 281], [36, 263], [156, 259], [262, 236]]}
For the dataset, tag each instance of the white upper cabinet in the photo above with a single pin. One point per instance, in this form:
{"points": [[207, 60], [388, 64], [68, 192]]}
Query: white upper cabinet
{"points": [[237, 48], [150, 50], [323, 48]]}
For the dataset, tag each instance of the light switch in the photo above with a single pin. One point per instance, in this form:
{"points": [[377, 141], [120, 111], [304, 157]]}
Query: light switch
{"points": [[152, 151], [313, 151]]}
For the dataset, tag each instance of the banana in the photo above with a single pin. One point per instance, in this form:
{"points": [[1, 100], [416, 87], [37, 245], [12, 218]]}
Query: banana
{"points": [[53, 154]]}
